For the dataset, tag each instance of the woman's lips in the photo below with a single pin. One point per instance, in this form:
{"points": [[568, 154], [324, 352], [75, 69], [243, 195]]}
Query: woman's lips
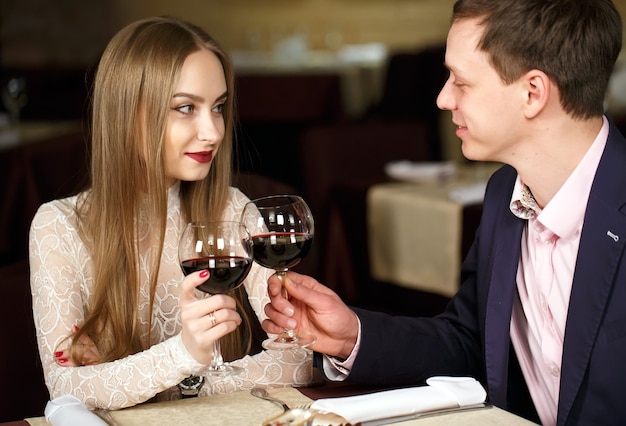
{"points": [[201, 157]]}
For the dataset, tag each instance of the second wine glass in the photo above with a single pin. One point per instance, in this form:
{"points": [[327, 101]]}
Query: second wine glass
{"points": [[225, 250], [282, 229]]}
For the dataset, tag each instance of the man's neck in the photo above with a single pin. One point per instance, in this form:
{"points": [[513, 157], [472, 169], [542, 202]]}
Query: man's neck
{"points": [[552, 154]]}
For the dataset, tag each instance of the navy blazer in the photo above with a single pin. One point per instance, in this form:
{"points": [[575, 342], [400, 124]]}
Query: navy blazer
{"points": [[472, 336]]}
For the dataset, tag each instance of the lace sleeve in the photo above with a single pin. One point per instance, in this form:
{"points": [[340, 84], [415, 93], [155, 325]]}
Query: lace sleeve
{"points": [[61, 285]]}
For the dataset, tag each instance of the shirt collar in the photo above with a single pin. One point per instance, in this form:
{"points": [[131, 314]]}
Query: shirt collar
{"points": [[565, 212]]}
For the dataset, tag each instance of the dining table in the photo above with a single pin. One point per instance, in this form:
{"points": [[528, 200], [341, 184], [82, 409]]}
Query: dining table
{"points": [[241, 409], [418, 228]]}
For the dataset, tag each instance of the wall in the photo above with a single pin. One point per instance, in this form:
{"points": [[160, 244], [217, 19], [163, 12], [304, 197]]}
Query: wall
{"points": [[53, 34], [45, 33], [241, 24], [73, 32]]}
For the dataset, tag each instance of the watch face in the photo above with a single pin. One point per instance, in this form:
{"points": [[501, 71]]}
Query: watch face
{"points": [[193, 382]]}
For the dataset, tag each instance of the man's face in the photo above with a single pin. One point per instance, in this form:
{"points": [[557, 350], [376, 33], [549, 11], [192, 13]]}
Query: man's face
{"points": [[487, 113]]}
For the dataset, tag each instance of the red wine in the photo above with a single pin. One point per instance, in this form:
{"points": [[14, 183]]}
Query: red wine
{"points": [[226, 272], [280, 250]]}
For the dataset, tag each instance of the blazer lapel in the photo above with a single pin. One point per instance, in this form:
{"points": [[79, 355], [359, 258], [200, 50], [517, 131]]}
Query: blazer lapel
{"points": [[502, 287]]}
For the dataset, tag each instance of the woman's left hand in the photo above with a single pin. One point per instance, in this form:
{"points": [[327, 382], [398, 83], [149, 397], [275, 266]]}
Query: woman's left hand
{"points": [[87, 353]]}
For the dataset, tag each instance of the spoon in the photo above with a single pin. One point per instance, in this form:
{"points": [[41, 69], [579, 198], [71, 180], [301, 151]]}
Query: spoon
{"points": [[263, 394], [290, 416]]}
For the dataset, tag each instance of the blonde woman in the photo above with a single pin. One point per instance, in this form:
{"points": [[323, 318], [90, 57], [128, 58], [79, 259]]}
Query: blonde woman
{"points": [[117, 322]]}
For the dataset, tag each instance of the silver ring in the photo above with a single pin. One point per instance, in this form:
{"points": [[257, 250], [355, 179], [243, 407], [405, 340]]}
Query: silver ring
{"points": [[212, 318]]}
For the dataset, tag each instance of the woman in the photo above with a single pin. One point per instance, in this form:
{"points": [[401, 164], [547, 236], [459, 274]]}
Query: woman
{"points": [[117, 323]]}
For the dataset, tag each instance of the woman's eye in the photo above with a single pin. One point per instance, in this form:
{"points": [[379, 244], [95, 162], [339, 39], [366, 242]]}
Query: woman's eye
{"points": [[219, 108], [185, 109]]}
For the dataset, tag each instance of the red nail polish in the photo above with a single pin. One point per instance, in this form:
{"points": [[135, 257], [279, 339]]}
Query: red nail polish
{"points": [[58, 354], [62, 360], [204, 274]]}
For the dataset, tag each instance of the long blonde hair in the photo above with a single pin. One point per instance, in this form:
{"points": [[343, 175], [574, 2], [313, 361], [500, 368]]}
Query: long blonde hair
{"points": [[132, 91]]}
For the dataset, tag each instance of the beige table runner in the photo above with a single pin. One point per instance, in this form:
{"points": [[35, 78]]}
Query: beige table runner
{"points": [[415, 232]]}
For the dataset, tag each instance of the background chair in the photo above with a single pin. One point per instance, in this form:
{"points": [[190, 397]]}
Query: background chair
{"points": [[273, 110], [339, 163], [24, 392]]}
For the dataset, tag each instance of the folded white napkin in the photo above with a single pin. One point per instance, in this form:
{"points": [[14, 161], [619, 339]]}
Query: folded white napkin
{"points": [[68, 410], [469, 194], [422, 171], [440, 393]]}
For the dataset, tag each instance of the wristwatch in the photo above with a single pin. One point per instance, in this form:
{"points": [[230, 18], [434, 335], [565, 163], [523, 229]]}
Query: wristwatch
{"points": [[190, 386]]}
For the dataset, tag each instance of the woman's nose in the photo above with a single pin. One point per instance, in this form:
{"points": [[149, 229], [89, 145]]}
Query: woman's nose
{"points": [[210, 128]]}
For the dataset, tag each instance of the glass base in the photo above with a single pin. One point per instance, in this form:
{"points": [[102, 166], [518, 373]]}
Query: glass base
{"points": [[224, 370], [286, 342]]}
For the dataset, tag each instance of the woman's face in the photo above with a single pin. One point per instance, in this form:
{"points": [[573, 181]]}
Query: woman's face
{"points": [[195, 124]]}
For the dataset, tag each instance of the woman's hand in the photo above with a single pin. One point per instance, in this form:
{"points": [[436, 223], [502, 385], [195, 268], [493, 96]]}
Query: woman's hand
{"points": [[311, 309], [204, 320], [86, 353]]}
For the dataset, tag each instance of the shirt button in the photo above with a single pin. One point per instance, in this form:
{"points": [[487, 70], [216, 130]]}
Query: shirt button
{"points": [[556, 371]]}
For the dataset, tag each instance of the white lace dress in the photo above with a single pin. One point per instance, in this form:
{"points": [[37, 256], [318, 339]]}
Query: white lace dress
{"points": [[61, 284]]}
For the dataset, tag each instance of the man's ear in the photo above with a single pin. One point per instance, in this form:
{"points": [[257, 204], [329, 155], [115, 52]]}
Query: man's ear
{"points": [[538, 89]]}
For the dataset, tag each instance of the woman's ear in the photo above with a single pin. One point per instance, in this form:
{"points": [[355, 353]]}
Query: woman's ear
{"points": [[538, 88]]}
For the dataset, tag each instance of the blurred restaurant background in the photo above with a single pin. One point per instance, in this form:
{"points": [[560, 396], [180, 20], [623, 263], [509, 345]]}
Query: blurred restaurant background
{"points": [[329, 94]]}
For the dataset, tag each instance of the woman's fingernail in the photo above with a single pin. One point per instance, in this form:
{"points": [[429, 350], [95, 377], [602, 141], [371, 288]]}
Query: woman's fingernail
{"points": [[289, 311], [291, 324], [58, 354], [62, 360], [204, 274], [74, 328]]}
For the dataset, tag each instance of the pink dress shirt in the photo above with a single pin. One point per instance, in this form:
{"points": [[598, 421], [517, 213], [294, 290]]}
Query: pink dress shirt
{"points": [[549, 250]]}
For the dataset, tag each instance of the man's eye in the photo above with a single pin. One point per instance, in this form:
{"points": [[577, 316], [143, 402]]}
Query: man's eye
{"points": [[185, 109]]}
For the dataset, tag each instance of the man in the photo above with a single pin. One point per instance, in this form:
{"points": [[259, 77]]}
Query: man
{"points": [[540, 310]]}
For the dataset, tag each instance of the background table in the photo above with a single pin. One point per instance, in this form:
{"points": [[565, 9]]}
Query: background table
{"points": [[416, 231]]}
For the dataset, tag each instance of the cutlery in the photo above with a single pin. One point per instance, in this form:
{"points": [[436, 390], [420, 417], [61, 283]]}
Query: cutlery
{"points": [[387, 420], [263, 394], [301, 415]]}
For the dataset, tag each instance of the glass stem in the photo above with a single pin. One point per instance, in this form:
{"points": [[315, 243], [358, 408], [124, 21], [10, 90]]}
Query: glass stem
{"points": [[287, 333], [216, 358]]}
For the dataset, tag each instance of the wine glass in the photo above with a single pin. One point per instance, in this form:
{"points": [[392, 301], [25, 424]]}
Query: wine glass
{"points": [[14, 97], [282, 230], [225, 250]]}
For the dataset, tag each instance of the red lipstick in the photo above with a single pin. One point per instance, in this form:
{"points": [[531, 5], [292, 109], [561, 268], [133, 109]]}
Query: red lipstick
{"points": [[201, 157]]}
